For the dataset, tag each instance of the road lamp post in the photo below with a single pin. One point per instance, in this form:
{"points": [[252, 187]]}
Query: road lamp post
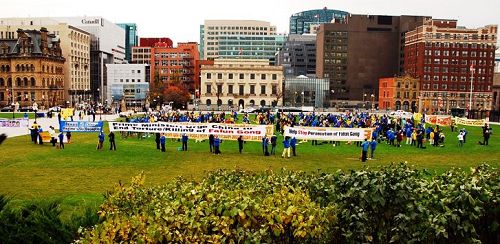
{"points": [[302, 93], [373, 101], [364, 99], [471, 87]]}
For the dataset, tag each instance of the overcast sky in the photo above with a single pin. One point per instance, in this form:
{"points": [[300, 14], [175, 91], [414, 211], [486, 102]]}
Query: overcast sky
{"points": [[180, 19]]}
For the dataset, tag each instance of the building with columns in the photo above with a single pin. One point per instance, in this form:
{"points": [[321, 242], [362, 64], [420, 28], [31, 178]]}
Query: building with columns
{"points": [[240, 83], [447, 59], [31, 69]]}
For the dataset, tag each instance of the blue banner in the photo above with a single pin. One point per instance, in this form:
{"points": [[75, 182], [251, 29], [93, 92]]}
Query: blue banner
{"points": [[80, 126]]}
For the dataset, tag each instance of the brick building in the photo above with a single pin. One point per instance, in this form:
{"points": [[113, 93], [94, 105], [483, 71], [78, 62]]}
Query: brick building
{"points": [[141, 54], [398, 93], [445, 57], [175, 65]]}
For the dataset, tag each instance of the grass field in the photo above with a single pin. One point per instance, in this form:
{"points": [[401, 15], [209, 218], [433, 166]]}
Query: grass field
{"points": [[80, 174], [7, 115]]}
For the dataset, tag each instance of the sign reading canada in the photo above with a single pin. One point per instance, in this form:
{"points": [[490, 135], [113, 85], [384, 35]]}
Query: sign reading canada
{"points": [[197, 130], [328, 133]]}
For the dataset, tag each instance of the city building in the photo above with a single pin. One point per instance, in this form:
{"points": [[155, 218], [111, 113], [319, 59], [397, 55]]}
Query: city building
{"points": [[496, 93], [131, 38], [447, 59], [354, 54], [128, 82], [107, 46], [239, 83], [247, 39], [397, 93], [298, 56], [300, 23], [75, 45], [175, 65], [31, 69], [141, 54], [305, 91]]}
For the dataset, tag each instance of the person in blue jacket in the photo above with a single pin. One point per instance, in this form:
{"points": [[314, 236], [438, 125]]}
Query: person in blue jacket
{"points": [[373, 146], [265, 143], [217, 142], [293, 144], [274, 139], [184, 142], [364, 151], [61, 140], [163, 139], [286, 147], [101, 140]]}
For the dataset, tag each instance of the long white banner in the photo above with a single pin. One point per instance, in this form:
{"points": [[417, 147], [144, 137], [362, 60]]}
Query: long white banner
{"points": [[328, 133], [197, 130], [13, 123]]}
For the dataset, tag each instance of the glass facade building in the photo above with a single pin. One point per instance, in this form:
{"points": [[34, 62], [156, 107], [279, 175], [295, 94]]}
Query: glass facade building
{"points": [[131, 38], [300, 23], [251, 47], [298, 56], [304, 91]]}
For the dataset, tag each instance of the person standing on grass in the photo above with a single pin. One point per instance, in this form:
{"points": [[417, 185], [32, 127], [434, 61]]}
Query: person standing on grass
{"points": [[157, 140], [112, 144], [373, 146], [420, 139], [211, 142], [240, 143], [61, 140], [53, 136], [217, 142], [486, 134], [364, 151], [100, 141], [274, 139], [39, 133], [68, 135], [286, 147], [265, 143], [184, 140], [293, 145], [163, 139], [460, 139]]}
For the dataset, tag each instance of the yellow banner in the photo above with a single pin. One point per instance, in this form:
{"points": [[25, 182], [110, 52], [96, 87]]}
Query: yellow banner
{"points": [[470, 122], [67, 112]]}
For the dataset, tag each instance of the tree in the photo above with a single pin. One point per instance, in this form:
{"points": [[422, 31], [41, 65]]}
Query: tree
{"points": [[177, 95]]}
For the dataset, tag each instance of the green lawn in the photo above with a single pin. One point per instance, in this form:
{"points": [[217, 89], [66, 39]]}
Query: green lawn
{"points": [[79, 174], [7, 115]]}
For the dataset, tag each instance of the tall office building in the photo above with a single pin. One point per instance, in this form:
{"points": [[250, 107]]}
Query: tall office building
{"points": [[354, 54], [128, 83], [107, 46], [247, 39], [75, 45], [447, 58], [300, 23], [298, 56], [131, 38]]}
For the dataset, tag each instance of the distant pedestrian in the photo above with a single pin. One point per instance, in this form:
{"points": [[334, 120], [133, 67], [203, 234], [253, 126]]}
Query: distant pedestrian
{"points": [[157, 140], [68, 136], [265, 143], [217, 142], [61, 140], [486, 134], [39, 133], [184, 140], [100, 140], [53, 136], [364, 150], [240, 143], [112, 143], [286, 147], [460, 139], [211, 142], [163, 139], [293, 145], [373, 146], [274, 139]]}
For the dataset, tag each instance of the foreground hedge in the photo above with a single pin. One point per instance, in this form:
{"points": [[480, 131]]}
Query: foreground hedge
{"points": [[394, 204]]}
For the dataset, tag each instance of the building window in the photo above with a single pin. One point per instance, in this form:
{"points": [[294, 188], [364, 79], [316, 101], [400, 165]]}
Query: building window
{"points": [[209, 88], [230, 76], [252, 89], [262, 89], [252, 76], [263, 76], [275, 77], [241, 90], [219, 89], [242, 76], [219, 76], [230, 89], [209, 76], [274, 90], [138, 71]]}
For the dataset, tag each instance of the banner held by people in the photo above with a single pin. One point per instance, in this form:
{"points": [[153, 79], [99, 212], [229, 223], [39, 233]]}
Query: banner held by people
{"points": [[197, 131], [328, 133], [470, 122], [13, 123], [81, 126]]}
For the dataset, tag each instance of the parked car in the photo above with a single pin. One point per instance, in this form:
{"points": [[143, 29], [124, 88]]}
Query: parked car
{"points": [[6, 109]]}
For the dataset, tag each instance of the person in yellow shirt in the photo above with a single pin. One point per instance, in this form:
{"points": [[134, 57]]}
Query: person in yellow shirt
{"points": [[414, 137], [431, 138]]}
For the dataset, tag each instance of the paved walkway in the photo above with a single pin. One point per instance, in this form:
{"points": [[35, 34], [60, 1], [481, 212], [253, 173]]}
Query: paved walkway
{"points": [[46, 122]]}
